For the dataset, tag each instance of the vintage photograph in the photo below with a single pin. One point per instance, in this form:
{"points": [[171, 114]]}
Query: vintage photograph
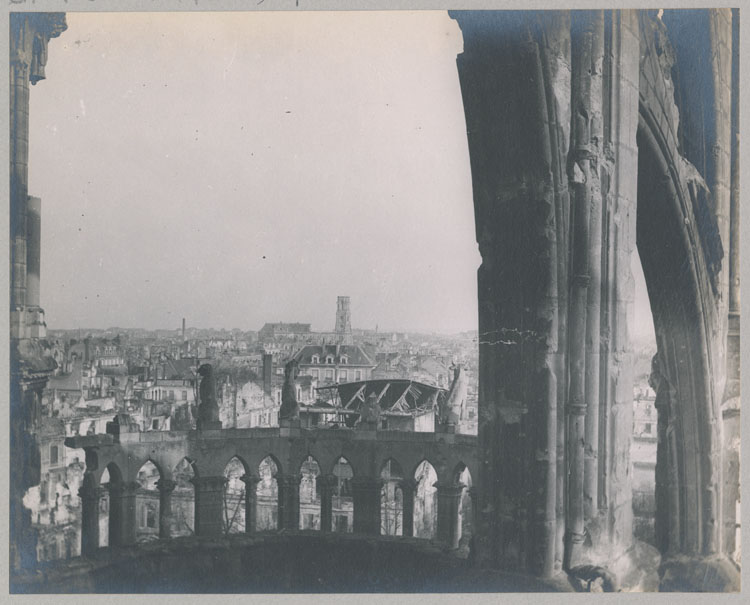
{"points": [[397, 301]]}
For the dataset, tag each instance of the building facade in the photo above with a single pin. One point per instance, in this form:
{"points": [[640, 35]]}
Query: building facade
{"points": [[330, 364]]}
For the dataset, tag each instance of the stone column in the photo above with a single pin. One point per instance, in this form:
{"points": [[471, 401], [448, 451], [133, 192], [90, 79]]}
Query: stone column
{"points": [[89, 494], [614, 493], [29, 37], [523, 225], [29, 34], [165, 487], [587, 54], [33, 246], [37, 328], [19, 159], [731, 403], [209, 505], [366, 493], [449, 499], [122, 513], [662, 472], [327, 484], [408, 488], [251, 495], [474, 495], [288, 501]]}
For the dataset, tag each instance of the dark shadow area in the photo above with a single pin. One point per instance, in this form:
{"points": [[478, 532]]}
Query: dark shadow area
{"points": [[302, 563]]}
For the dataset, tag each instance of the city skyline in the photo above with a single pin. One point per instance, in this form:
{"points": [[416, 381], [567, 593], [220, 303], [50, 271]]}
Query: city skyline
{"points": [[543, 421]]}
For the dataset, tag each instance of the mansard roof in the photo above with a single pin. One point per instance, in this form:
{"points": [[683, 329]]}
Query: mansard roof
{"points": [[355, 355]]}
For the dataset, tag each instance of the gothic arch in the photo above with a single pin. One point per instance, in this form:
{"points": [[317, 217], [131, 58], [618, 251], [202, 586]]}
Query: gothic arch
{"points": [[575, 150], [673, 269], [679, 222]]}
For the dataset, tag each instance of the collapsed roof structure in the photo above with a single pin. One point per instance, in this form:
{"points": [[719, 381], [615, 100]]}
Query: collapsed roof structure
{"points": [[397, 399]]}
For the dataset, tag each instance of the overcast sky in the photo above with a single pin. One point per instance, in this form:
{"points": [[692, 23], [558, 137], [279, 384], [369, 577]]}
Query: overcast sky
{"points": [[238, 168]]}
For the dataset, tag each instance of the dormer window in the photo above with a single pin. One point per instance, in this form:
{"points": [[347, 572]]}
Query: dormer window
{"points": [[315, 359], [329, 359], [344, 359]]}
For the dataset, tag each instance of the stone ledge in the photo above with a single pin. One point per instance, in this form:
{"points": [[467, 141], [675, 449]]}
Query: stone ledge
{"points": [[699, 574], [288, 562]]}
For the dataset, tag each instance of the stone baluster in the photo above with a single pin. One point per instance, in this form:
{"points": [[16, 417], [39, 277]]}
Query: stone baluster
{"points": [[165, 487], [251, 499], [89, 493], [288, 501], [366, 492], [122, 513], [449, 498], [327, 483], [474, 495], [408, 489], [209, 505]]}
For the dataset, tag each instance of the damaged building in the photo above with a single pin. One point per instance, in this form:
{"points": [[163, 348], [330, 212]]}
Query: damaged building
{"points": [[590, 133]]}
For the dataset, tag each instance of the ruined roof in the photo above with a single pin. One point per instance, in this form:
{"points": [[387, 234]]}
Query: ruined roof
{"points": [[52, 427], [432, 365], [103, 403], [66, 382], [179, 369], [397, 396], [384, 369]]}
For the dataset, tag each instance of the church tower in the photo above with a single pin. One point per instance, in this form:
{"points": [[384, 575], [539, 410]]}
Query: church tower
{"points": [[343, 321]]}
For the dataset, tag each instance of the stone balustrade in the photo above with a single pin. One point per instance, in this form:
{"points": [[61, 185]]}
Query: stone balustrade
{"points": [[123, 451]]}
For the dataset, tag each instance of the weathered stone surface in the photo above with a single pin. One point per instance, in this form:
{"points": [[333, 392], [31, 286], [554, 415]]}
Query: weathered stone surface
{"points": [[272, 563], [588, 134], [543, 136], [699, 574]]}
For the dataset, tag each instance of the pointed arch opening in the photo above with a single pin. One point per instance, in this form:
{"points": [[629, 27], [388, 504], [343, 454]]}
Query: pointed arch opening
{"points": [[309, 494], [104, 501], [183, 499], [342, 505], [110, 507], [147, 503], [677, 278], [267, 496], [391, 499], [235, 502], [425, 501]]}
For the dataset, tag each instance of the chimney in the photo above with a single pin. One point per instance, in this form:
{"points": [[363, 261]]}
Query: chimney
{"points": [[86, 350], [183, 329], [267, 373]]}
